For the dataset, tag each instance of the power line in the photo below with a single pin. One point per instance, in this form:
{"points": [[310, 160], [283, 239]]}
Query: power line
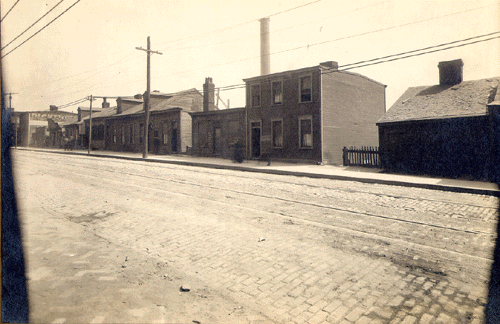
{"points": [[237, 25], [428, 52], [33, 24], [76, 102], [423, 49], [279, 30], [381, 59], [373, 31], [345, 67], [9, 10], [41, 29], [96, 69], [359, 64]]}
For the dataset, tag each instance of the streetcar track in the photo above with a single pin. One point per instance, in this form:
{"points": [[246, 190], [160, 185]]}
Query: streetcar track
{"points": [[356, 212], [312, 222], [164, 166]]}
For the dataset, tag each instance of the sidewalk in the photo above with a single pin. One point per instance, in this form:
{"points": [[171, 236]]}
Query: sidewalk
{"points": [[366, 175]]}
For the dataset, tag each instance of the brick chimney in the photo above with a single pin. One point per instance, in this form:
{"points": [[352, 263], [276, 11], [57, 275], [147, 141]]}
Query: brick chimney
{"points": [[208, 95], [119, 107], [53, 108], [450, 72], [105, 104], [330, 65]]}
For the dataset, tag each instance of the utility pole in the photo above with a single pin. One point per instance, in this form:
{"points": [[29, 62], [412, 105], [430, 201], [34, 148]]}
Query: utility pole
{"points": [[16, 118], [90, 123], [146, 103]]}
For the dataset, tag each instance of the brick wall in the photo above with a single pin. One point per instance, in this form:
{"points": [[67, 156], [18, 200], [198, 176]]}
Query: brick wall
{"points": [[289, 112], [231, 123]]}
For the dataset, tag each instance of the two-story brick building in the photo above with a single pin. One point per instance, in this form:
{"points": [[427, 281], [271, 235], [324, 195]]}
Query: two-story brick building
{"points": [[310, 114]]}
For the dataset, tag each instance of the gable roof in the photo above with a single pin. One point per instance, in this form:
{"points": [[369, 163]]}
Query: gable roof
{"points": [[321, 68], [466, 99]]}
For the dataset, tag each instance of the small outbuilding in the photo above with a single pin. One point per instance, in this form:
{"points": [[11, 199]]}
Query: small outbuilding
{"points": [[446, 129]]}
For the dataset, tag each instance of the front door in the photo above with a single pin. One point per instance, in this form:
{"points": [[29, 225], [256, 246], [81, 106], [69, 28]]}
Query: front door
{"points": [[217, 142], [255, 139]]}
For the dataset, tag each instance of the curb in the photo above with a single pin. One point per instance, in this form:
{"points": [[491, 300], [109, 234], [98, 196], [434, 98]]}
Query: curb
{"points": [[451, 188]]}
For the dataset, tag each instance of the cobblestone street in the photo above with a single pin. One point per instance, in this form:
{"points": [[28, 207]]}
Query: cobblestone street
{"points": [[113, 241]]}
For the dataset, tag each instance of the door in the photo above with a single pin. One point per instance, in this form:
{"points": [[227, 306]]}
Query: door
{"points": [[217, 142], [255, 139], [175, 134]]}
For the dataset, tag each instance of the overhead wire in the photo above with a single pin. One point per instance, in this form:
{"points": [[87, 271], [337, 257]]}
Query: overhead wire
{"points": [[33, 24], [276, 31], [364, 63], [41, 29], [237, 25], [9, 10], [231, 87], [394, 57]]}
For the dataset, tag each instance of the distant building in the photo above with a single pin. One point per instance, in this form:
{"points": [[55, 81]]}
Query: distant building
{"points": [[446, 129], [33, 126], [310, 114]]}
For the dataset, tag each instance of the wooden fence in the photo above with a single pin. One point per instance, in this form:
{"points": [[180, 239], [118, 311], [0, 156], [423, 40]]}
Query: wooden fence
{"points": [[367, 156]]}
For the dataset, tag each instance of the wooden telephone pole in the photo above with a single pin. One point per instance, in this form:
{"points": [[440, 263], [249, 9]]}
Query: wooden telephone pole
{"points": [[90, 123], [16, 118], [146, 103]]}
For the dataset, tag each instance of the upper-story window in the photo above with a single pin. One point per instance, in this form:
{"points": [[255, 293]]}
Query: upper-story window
{"points": [[277, 88], [305, 88], [255, 89]]}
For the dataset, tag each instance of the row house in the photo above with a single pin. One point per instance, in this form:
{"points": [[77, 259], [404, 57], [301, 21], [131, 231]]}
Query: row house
{"points": [[304, 115], [310, 114], [216, 133], [121, 128]]}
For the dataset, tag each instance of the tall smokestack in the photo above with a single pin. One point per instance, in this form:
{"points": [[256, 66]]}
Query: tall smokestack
{"points": [[265, 59]]}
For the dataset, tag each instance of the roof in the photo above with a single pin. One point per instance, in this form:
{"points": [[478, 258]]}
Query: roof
{"points": [[217, 112], [162, 102], [67, 122], [183, 99], [466, 99], [320, 67]]}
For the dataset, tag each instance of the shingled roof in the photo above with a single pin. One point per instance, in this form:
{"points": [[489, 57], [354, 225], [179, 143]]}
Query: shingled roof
{"points": [[466, 99]]}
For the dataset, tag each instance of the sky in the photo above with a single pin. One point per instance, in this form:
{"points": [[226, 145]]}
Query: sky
{"points": [[91, 48]]}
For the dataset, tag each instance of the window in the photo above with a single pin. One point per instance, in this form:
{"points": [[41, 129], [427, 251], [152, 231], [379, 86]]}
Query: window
{"points": [[305, 131], [114, 135], [131, 133], [255, 95], [141, 133], [123, 135], [165, 133], [305, 89], [277, 92], [277, 133]]}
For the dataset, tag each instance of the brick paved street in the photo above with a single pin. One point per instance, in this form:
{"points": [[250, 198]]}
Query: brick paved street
{"points": [[263, 248]]}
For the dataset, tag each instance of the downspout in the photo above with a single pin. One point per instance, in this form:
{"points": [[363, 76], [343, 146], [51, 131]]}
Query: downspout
{"points": [[322, 148], [246, 131]]}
